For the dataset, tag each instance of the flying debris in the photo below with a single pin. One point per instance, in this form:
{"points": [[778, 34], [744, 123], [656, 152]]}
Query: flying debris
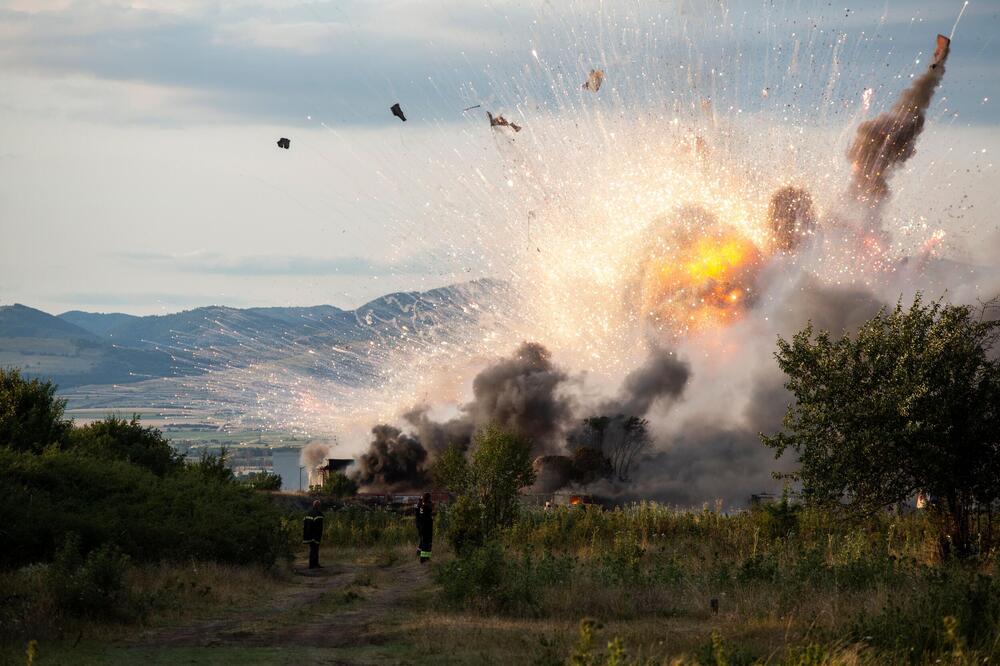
{"points": [[500, 121], [791, 216], [887, 141], [284, 143], [397, 111], [594, 81], [941, 52], [470, 108]]}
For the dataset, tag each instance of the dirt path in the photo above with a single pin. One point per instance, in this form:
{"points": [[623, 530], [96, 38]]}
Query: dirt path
{"points": [[341, 606]]}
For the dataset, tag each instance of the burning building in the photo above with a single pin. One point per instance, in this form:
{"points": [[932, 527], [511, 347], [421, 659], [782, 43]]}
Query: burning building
{"points": [[319, 474]]}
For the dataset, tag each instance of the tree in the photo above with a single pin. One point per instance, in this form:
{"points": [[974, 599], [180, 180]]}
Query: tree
{"points": [[627, 439], [488, 501], [450, 470], [119, 439], [620, 438], [263, 481], [214, 468], [31, 417], [501, 466], [337, 484], [590, 464], [911, 403]]}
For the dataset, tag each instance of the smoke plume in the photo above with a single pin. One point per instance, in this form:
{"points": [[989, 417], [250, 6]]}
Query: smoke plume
{"points": [[663, 375], [437, 436], [314, 454], [394, 461], [885, 142], [706, 457], [521, 393]]}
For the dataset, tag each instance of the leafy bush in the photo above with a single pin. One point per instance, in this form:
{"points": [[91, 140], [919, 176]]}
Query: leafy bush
{"points": [[183, 515], [31, 417], [91, 585], [213, 467], [263, 481], [489, 499], [450, 470], [779, 519], [492, 579], [949, 605], [465, 524], [336, 484], [117, 439]]}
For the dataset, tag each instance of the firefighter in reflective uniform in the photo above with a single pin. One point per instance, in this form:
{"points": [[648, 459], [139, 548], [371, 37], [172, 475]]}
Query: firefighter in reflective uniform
{"points": [[312, 533], [425, 526]]}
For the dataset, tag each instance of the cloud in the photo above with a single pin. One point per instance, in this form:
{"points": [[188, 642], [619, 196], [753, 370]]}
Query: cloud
{"points": [[350, 60], [261, 62], [270, 265]]}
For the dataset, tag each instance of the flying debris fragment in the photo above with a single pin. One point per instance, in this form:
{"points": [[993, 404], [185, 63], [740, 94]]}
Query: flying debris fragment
{"points": [[284, 143], [594, 81], [791, 217], [500, 121], [941, 52], [470, 108], [397, 111], [887, 141]]}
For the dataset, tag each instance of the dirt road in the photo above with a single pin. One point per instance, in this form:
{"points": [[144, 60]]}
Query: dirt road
{"points": [[345, 605]]}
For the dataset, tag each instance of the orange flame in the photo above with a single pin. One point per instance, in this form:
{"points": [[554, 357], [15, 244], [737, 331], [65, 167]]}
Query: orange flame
{"points": [[701, 281]]}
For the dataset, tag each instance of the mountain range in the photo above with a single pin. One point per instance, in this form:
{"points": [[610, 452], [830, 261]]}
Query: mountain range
{"points": [[78, 348]]}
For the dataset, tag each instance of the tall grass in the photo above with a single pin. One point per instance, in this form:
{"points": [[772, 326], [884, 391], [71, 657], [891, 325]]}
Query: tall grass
{"points": [[801, 575]]}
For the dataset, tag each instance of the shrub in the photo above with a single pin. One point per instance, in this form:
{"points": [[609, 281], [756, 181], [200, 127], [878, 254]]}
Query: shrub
{"points": [[31, 417], [490, 500], [337, 484], [91, 585], [183, 515], [914, 623], [118, 439], [213, 467], [492, 579], [465, 524], [263, 481], [450, 470]]}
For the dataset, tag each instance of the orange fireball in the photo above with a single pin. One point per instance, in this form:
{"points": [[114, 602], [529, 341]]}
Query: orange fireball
{"points": [[699, 274]]}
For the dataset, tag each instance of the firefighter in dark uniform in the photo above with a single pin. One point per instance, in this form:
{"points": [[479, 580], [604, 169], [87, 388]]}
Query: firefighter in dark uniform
{"points": [[312, 533], [425, 526]]}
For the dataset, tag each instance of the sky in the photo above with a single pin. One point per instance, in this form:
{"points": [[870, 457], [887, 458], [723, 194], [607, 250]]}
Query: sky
{"points": [[138, 165]]}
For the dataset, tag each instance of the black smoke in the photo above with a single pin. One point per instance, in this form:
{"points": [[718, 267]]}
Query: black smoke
{"points": [[593, 440], [662, 377], [394, 461], [522, 392]]}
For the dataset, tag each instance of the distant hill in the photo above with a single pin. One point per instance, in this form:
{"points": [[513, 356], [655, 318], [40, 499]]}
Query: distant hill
{"points": [[98, 324], [50, 347], [20, 321], [79, 348]]}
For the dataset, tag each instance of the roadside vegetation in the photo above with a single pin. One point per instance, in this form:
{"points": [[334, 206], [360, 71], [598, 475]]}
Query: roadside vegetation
{"points": [[82, 507]]}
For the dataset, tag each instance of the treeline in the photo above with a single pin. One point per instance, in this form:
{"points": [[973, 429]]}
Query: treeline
{"points": [[115, 484]]}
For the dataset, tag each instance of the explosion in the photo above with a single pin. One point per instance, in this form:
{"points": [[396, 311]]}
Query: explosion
{"points": [[699, 274], [641, 231]]}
